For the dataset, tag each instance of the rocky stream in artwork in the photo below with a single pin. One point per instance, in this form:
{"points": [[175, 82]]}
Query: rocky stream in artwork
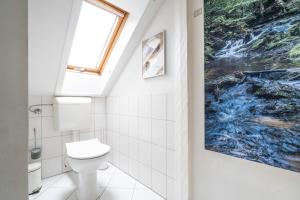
{"points": [[252, 80]]}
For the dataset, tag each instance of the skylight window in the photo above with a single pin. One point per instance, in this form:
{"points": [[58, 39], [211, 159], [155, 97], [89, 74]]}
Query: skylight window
{"points": [[98, 28]]}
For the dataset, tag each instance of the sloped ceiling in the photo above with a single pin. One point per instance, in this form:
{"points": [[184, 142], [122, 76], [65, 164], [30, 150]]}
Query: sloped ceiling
{"points": [[51, 30], [47, 26]]}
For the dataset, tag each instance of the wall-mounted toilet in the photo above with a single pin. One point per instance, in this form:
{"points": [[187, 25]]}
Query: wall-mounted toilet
{"points": [[84, 157]]}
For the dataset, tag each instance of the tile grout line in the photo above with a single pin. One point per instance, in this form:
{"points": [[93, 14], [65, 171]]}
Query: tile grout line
{"points": [[105, 188], [166, 147], [71, 195], [151, 141], [134, 188]]}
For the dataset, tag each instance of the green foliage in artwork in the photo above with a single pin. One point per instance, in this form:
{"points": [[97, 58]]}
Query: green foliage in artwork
{"points": [[272, 42], [295, 52], [234, 19]]}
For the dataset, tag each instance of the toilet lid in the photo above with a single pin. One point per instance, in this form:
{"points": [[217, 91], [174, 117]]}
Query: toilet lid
{"points": [[34, 166], [87, 149]]}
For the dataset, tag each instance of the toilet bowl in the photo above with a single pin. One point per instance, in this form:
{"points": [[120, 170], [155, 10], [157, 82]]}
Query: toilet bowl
{"points": [[85, 157]]}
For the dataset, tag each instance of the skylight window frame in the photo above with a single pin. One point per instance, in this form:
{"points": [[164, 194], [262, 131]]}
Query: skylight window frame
{"points": [[122, 16]]}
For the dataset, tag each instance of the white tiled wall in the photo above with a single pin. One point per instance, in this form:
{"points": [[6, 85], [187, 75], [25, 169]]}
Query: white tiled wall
{"points": [[140, 130], [52, 141]]}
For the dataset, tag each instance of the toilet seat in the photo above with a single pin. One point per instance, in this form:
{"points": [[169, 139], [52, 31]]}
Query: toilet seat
{"points": [[88, 149]]}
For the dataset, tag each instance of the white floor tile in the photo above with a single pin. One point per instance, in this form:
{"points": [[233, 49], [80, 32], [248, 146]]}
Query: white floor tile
{"points": [[145, 194], [56, 193], [117, 194], [73, 196], [65, 181], [32, 197], [121, 180], [138, 185], [50, 181], [110, 170], [113, 185], [36, 195], [47, 183], [103, 179]]}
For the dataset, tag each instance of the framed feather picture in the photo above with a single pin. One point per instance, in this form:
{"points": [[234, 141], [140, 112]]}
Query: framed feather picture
{"points": [[153, 50]]}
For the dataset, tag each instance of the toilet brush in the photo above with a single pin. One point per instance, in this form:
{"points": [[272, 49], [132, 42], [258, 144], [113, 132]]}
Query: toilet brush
{"points": [[36, 151]]}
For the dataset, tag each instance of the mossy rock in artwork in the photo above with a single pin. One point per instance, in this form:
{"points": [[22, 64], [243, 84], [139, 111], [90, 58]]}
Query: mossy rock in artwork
{"points": [[208, 51], [281, 108], [269, 42], [295, 52], [295, 30], [279, 43], [259, 44], [273, 90], [282, 42]]}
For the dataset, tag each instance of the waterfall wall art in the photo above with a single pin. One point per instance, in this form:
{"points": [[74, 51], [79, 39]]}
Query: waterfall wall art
{"points": [[252, 80]]}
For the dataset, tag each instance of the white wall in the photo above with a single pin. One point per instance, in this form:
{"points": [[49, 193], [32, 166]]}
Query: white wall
{"points": [[140, 115], [215, 176], [52, 141], [13, 99], [131, 81], [47, 26]]}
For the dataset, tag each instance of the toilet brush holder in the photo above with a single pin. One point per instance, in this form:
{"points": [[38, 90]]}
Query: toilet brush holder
{"points": [[35, 153]]}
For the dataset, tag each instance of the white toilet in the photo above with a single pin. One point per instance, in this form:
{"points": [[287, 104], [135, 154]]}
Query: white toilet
{"points": [[85, 158]]}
